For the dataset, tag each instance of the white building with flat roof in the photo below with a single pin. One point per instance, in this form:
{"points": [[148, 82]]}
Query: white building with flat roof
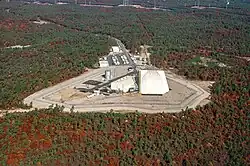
{"points": [[103, 62], [116, 49]]}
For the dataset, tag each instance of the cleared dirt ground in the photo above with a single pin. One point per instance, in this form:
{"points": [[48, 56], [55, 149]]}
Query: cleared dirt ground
{"points": [[183, 94]]}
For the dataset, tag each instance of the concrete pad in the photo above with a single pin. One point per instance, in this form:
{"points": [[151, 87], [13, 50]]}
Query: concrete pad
{"points": [[184, 94]]}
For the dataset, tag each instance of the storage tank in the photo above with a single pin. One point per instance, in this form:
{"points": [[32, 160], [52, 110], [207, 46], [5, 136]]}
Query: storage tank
{"points": [[108, 75]]}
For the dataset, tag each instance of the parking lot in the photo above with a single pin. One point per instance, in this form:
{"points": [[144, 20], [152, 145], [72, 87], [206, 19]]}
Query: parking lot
{"points": [[119, 59]]}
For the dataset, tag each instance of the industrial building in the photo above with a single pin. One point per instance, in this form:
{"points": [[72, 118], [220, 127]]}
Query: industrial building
{"points": [[125, 84], [149, 82], [153, 82], [146, 87], [145, 82]]}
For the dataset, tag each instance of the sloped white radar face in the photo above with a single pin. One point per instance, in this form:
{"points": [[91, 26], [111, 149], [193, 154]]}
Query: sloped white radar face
{"points": [[153, 82]]}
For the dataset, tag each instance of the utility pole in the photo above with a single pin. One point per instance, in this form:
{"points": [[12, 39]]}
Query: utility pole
{"points": [[154, 4]]}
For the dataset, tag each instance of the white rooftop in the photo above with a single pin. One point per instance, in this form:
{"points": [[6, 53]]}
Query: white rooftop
{"points": [[153, 82]]}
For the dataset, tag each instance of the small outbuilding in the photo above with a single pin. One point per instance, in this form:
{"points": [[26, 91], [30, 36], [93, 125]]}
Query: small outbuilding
{"points": [[115, 49], [103, 62]]}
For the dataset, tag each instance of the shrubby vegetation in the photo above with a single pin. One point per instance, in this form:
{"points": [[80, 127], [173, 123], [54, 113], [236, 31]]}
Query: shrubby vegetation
{"points": [[216, 134], [69, 44]]}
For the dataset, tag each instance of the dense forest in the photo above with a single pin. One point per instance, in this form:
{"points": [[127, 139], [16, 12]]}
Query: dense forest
{"points": [[76, 36], [216, 134], [158, 3], [176, 30], [208, 44], [55, 54]]}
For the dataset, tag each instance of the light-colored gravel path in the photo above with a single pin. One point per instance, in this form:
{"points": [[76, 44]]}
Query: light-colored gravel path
{"points": [[196, 95], [167, 103]]}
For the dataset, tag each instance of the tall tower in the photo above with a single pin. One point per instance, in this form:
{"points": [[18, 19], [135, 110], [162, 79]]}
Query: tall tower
{"points": [[145, 55]]}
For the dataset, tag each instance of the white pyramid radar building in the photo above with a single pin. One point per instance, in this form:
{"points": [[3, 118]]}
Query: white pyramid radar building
{"points": [[153, 82]]}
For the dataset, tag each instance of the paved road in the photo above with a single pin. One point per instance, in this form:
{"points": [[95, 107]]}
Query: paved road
{"points": [[39, 98], [125, 52], [39, 101]]}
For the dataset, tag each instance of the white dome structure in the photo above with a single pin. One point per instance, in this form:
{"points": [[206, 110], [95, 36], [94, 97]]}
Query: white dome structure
{"points": [[153, 82]]}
